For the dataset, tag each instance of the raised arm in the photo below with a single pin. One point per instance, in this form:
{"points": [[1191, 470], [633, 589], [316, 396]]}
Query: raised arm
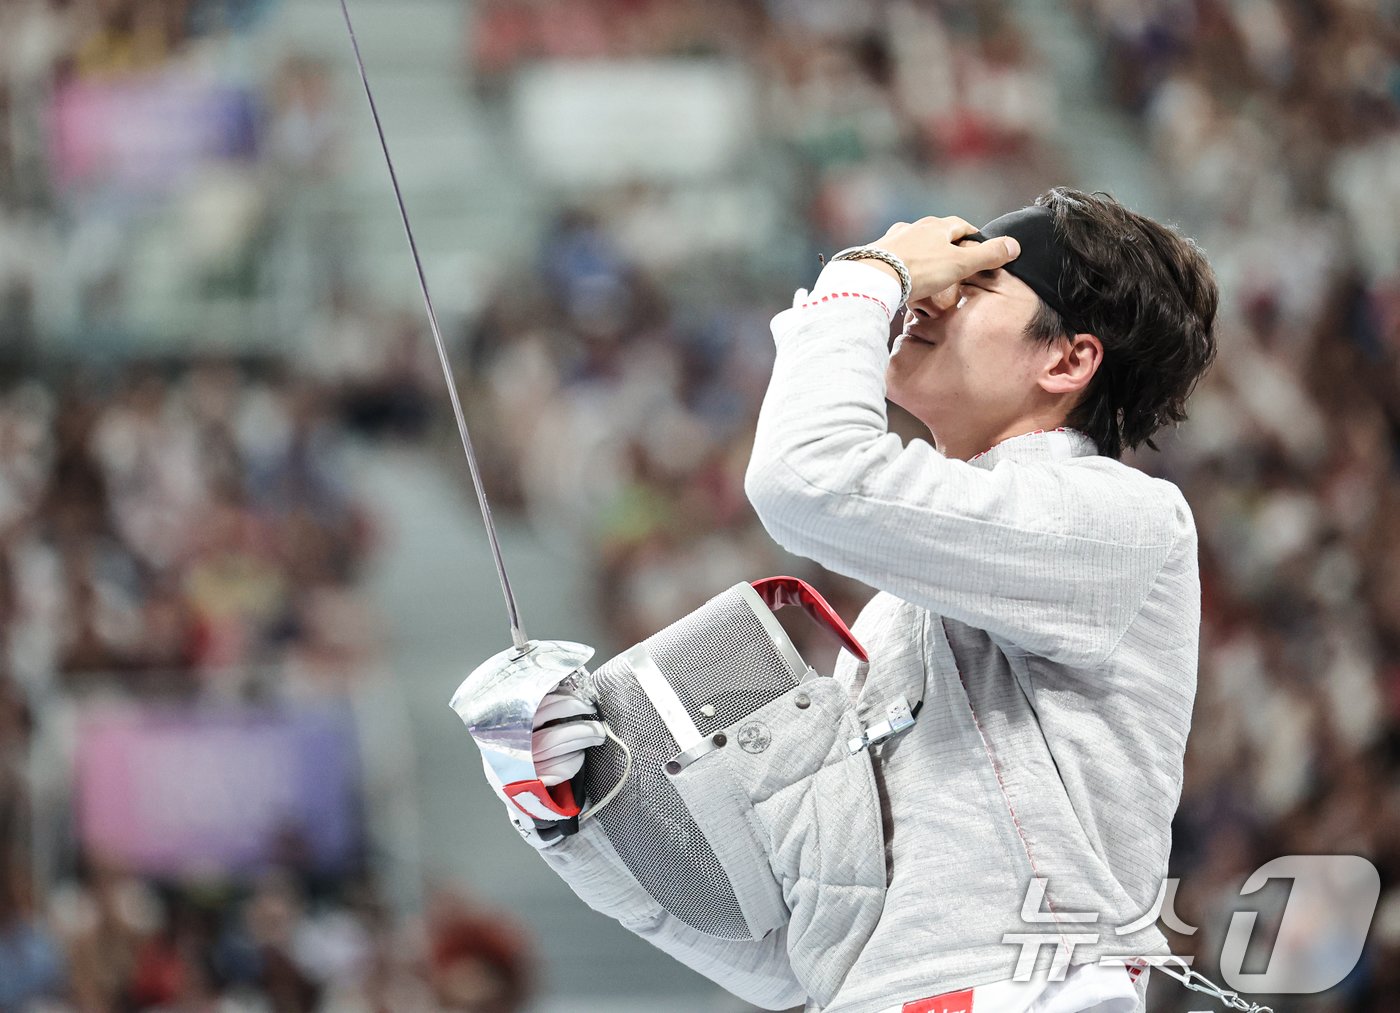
{"points": [[1054, 559]]}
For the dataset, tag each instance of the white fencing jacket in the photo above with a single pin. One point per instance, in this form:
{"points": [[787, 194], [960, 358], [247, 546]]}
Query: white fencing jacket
{"points": [[1044, 602]]}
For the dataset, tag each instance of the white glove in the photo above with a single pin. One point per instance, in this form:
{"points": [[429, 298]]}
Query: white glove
{"points": [[558, 749], [557, 752]]}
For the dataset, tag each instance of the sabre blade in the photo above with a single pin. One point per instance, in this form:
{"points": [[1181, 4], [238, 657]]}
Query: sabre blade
{"points": [[517, 631]]}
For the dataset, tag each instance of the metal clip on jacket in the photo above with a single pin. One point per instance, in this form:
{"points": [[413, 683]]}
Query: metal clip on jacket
{"points": [[899, 717]]}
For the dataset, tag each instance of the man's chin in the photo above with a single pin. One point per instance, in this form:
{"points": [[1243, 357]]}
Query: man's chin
{"points": [[893, 388]]}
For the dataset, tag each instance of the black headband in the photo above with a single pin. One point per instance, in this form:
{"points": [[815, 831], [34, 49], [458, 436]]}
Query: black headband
{"points": [[1041, 264]]}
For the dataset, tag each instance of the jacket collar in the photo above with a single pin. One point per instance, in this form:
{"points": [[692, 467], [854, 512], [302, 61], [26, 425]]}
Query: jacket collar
{"points": [[1040, 445]]}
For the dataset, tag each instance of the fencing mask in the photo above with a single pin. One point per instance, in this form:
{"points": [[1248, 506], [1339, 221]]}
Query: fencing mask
{"points": [[723, 681]]}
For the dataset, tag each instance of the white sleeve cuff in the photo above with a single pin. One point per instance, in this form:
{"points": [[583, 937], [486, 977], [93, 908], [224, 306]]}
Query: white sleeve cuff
{"points": [[844, 277]]}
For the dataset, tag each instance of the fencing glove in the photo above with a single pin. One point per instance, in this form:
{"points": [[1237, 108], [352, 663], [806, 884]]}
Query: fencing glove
{"points": [[565, 725], [562, 732]]}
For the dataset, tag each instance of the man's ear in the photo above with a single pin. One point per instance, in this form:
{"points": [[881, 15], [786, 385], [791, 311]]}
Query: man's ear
{"points": [[1070, 370]]}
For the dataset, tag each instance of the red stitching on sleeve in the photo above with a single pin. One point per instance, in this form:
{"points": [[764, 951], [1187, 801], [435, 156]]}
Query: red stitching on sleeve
{"points": [[857, 295]]}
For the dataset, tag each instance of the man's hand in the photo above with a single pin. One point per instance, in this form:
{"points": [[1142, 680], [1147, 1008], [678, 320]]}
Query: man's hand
{"points": [[937, 254], [565, 725]]}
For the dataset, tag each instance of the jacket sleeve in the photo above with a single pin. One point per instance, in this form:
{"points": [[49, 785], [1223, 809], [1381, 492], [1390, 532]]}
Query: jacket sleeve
{"points": [[756, 971], [1053, 558]]}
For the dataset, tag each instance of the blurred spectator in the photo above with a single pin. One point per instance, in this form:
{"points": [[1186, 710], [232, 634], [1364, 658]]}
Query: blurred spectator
{"points": [[304, 131], [32, 965], [478, 963], [106, 927]]}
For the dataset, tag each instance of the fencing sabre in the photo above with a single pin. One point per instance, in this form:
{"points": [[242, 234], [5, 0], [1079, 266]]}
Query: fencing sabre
{"points": [[506, 689], [498, 701], [728, 659]]}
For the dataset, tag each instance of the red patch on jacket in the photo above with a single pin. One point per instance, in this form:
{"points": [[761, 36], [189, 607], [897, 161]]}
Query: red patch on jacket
{"points": [[948, 1002]]}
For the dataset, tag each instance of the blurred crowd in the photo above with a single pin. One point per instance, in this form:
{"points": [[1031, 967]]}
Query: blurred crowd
{"points": [[871, 107], [283, 940], [183, 529], [179, 533], [177, 529], [184, 536]]}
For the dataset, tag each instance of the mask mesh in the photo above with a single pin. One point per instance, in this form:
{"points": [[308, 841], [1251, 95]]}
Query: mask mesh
{"points": [[720, 656]]}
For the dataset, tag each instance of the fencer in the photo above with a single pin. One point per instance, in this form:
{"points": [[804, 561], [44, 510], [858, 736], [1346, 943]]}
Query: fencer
{"points": [[1042, 595]]}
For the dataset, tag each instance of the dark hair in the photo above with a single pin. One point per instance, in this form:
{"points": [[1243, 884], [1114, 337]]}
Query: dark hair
{"points": [[1149, 296]]}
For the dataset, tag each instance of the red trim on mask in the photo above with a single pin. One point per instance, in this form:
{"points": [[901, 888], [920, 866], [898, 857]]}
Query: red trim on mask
{"points": [[779, 591]]}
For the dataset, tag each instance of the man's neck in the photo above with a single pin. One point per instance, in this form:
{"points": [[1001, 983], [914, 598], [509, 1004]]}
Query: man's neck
{"points": [[965, 446]]}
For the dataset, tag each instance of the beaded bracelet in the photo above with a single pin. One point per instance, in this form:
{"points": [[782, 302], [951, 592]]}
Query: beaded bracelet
{"points": [[906, 285]]}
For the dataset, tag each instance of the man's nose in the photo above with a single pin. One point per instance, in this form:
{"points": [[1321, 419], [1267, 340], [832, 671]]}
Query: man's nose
{"points": [[934, 306]]}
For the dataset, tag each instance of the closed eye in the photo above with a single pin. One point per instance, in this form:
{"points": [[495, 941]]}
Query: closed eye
{"points": [[985, 281]]}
